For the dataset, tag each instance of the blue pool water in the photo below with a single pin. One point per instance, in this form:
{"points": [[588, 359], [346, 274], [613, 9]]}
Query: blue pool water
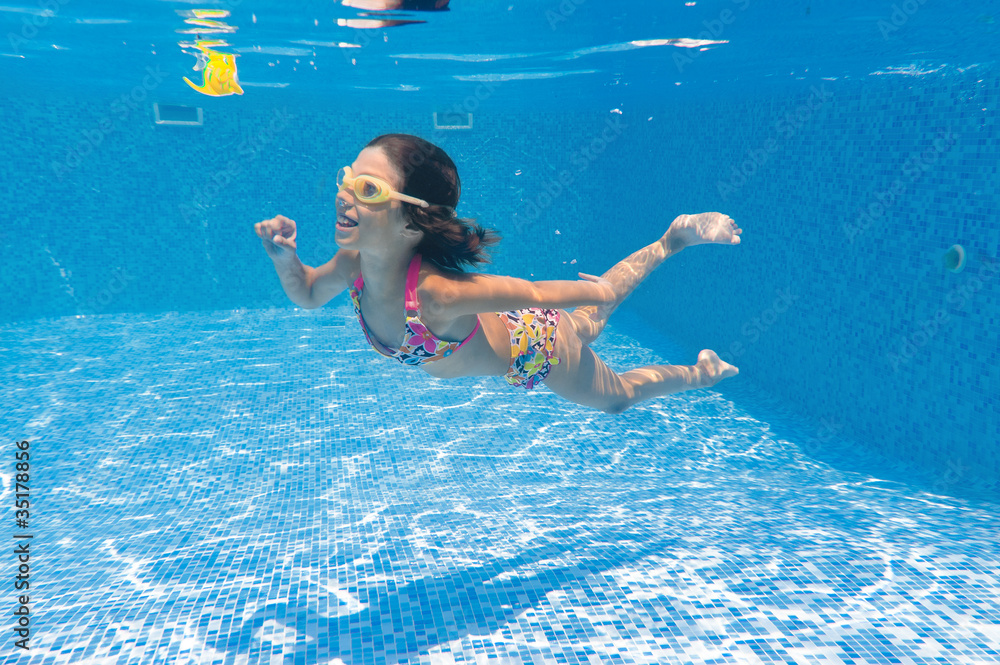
{"points": [[217, 476]]}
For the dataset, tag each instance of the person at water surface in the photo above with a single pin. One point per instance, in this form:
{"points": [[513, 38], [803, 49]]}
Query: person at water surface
{"points": [[402, 257]]}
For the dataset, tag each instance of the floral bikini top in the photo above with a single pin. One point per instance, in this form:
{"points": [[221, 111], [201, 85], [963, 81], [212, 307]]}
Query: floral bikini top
{"points": [[419, 344]]}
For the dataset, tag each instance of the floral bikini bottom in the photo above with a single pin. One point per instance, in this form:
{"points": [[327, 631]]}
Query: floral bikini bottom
{"points": [[532, 345]]}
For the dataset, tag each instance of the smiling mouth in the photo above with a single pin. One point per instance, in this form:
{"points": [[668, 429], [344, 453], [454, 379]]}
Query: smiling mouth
{"points": [[345, 222]]}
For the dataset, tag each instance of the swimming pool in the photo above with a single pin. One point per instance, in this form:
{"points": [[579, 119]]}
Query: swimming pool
{"points": [[217, 476]]}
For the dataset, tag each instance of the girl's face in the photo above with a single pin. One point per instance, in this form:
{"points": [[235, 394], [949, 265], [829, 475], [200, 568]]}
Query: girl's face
{"points": [[363, 225]]}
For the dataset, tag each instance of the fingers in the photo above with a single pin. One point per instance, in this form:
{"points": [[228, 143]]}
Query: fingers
{"points": [[282, 241], [264, 229], [276, 226]]}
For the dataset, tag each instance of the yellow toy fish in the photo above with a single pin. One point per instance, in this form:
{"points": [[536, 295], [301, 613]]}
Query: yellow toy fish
{"points": [[219, 73]]}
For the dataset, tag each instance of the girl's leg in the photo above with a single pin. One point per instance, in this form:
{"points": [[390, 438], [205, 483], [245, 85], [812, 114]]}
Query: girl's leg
{"points": [[624, 276], [582, 377], [685, 231]]}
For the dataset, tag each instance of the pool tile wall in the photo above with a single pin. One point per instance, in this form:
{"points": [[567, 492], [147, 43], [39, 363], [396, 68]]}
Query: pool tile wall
{"points": [[852, 320], [148, 218], [850, 193]]}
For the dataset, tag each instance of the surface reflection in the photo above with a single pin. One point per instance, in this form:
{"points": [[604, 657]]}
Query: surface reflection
{"points": [[374, 21], [407, 5], [204, 21]]}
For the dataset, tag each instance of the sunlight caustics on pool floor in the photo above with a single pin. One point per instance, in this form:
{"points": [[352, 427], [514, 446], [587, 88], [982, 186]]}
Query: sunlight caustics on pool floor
{"points": [[260, 487]]}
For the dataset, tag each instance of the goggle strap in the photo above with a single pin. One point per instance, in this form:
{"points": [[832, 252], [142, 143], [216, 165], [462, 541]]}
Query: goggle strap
{"points": [[411, 199]]}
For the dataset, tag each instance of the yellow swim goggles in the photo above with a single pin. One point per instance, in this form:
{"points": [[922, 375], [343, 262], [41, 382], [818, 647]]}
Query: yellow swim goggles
{"points": [[370, 189]]}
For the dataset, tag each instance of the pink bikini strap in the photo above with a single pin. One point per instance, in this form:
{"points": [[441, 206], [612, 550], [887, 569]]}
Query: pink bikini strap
{"points": [[411, 284], [412, 304], [473, 334]]}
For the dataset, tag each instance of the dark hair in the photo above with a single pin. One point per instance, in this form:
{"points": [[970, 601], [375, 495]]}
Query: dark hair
{"points": [[429, 174]]}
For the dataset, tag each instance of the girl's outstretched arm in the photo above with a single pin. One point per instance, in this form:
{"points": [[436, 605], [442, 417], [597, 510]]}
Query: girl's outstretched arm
{"points": [[474, 293], [305, 286]]}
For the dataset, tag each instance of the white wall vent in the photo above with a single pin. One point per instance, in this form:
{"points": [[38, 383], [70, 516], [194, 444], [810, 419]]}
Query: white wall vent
{"points": [[170, 114], [452, 120]]}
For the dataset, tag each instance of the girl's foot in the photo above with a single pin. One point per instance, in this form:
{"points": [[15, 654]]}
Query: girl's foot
{"points": [[713, 369], [705, 227]]}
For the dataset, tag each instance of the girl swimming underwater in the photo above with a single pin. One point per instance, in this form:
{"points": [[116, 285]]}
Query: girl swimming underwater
{"points": [[402, 250]]}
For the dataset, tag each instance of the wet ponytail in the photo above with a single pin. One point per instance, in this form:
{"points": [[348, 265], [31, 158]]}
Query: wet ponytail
{"points": [[428, 173], [449, 241]]}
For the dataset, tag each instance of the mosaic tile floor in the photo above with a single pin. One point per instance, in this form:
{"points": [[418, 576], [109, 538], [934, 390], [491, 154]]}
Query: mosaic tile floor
{"points": [[260, 487]]}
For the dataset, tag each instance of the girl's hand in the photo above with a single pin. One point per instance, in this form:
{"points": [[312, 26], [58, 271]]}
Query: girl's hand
{"points": [[278, 237], [608, 296]]}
